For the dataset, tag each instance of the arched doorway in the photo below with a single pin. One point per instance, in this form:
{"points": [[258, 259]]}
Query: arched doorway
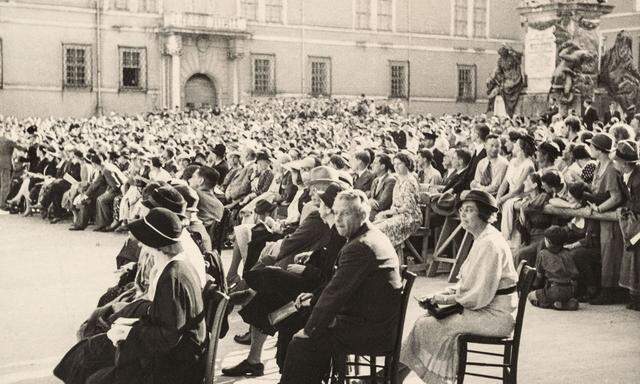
{"points": [[200, 92]]}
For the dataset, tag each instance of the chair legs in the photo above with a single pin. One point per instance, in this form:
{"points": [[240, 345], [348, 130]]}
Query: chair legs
{"points": [[507, 371], [462, 361]]}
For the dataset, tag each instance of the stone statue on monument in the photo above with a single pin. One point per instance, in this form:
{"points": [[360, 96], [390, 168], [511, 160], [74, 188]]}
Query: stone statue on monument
{"points": [[619, 75], [506, 80], [572, 74]]}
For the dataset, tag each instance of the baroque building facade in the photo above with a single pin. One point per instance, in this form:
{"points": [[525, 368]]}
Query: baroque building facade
{"points": [[81, 57]]}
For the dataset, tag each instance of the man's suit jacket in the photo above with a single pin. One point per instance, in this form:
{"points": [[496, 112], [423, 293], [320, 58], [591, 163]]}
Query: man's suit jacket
{"points": [[473, 164], [363, 182], [360, 306], [210, 209], [240, 186], [608, 116], [457, 182], [97, 187], [222, 169], [590, 117], [438, 159], [382, 193], [312, 233]]}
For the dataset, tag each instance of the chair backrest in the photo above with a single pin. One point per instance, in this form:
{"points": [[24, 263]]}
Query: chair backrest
{"points": [[215, 269], [216, 309], [526, 276], [219, 231], [408, 278]]}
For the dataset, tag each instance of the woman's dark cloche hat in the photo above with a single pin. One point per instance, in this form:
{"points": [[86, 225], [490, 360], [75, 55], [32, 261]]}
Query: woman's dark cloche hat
{"points": [[481, 197], [328, 197], [603, 142], [263, 206], [627, 151], [159, 228], [168, 197]]}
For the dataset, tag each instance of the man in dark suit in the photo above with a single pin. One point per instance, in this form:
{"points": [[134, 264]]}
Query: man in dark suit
{"points": [[461, 179], [358, 310], [611, 113], [362, 177], [86, 208], [219, 162], [479, 139], [381, 194], [438, 157], [590, 115], [104, 203]]}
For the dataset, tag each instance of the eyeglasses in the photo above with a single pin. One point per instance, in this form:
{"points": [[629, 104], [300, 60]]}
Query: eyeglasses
{"points": [[467, 210]]}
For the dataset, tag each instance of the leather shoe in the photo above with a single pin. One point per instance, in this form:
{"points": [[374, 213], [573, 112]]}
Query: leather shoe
{"points": [[245, 368], [243, 339], [99, 229], [74, 228]]}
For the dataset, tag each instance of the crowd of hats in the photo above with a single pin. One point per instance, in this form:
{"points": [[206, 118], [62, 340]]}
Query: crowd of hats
{"points": [[304, 127]]}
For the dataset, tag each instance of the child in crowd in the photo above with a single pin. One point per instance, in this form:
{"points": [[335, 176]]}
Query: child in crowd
{"points": [[556, 274]]}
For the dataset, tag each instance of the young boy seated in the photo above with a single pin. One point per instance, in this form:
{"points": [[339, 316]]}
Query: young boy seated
{"points": [[556, 274]]}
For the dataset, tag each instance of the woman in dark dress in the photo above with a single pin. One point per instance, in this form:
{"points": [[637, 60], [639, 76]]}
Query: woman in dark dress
{"points": [[608, 194], [166, 346]]}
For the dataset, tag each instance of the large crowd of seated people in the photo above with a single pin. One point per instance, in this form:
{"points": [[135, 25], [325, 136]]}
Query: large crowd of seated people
{"points": [[316, 199]]}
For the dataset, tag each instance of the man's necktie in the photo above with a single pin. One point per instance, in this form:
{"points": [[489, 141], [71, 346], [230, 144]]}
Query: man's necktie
{"points": [[486, 175]]}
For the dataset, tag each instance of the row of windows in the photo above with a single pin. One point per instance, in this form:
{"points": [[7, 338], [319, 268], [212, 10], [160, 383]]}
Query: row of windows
{"points": [[148, 6], [77, 68], [319, 72], [478, 16], [462, 17]]}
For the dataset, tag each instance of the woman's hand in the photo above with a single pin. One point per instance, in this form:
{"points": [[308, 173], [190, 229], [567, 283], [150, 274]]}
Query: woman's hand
{"points": [[302, 258]]}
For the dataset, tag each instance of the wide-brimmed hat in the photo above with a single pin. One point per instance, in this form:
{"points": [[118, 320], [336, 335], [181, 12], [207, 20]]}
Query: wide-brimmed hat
{"points": [[263, 207], [446, 204], [307, 162], [263, 155], [329, 194], [159, 228], [481, 197], [323, 174], [168, 197], [627, 150], [603, 142]]}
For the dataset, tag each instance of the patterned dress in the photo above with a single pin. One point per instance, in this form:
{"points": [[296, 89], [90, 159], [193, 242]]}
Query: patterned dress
{"points": [[402, 225], [430, 349]]}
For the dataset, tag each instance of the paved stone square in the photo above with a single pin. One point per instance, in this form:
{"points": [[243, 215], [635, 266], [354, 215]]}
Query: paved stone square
{"points": [[50, 280]]}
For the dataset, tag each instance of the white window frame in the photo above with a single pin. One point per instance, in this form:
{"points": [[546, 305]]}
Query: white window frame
{"points": [[142, 79], [121, 5], [458, 16], [480, 32], [363, 19], [245, 4], [385, 17], [86, 48], [405, 80], [149, 6], [327, 63], [271, 8], [473, 83], [271, 88]]}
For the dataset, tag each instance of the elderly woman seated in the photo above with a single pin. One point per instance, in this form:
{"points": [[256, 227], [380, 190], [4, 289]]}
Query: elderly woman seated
{"points": [[486, 290], [164, 346]]}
